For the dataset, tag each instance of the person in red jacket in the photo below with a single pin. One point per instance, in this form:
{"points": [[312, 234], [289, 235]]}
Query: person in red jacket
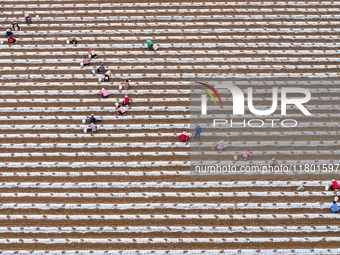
{"points": [[334, 185], [126, 101], [184, 137], [11, 40]]}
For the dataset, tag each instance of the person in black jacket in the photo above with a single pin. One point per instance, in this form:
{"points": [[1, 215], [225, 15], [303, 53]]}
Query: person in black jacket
{"points": [[9, 33], [15, 25], [93, 119]]}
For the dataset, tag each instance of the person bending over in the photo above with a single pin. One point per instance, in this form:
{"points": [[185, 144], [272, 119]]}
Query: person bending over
{"points": [[92, 127], [73, 40], [11, 40], [104, 93], [106, 78], [184, 137], [101, 68], [149, 43], [86, 61], [126, 84], [220, 146], [126, 101], [92, 53], [121, 110], [94, 120], [15, 25], [28, 18], [335, 207], [334, 185], [245, 155], [9, 33]]}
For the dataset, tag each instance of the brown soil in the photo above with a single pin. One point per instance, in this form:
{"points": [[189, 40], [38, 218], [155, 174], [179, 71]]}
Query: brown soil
{"points": [[108, 54]]}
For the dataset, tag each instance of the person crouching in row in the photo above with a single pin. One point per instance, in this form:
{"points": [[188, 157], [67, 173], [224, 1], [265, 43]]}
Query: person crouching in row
{"points": [[334, 186], [92, 53], [246, 155], [9, 33], [121, 110], [126, 101], [86, 61], [104, 93], [335, 207], [151, 45], [94, 119], [126, 84], [219, 146], [92, 127], [28, 18], [72, 40], [15, 25], [107, 76], [184, 137], [11, 40], [101, 68]]}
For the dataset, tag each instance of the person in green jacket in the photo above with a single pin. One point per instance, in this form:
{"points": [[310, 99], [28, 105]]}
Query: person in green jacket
{"points": [[150, 44]]}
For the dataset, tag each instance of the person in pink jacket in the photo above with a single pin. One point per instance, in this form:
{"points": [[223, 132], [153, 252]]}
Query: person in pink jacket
{"points": [[121, 110], [104, 93], [126, 84], [245, 155], [27, 18], [92, 53], [86, 61], [220, 146]]}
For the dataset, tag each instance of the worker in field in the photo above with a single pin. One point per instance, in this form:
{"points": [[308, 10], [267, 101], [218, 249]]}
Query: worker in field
{"points": [[73, 40], [121, 110], [94, 119], [11, 40], [151, 45], [104, 93], [28, 18], [333, 186], [126, 101], [183, 137], [126, 84], [15, 25], [86, 61], [9, 33], [220, 146], [246, 155], [198, 131], [101, 68], [93, 53], [335, 207]]}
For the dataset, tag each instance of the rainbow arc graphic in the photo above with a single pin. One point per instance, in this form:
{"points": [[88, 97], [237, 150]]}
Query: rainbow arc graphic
{"points": [[205, 89]]}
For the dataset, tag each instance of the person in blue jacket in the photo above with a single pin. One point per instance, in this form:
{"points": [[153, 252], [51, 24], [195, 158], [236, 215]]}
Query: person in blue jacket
{"points": [[335, 207], [198, 131]]}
